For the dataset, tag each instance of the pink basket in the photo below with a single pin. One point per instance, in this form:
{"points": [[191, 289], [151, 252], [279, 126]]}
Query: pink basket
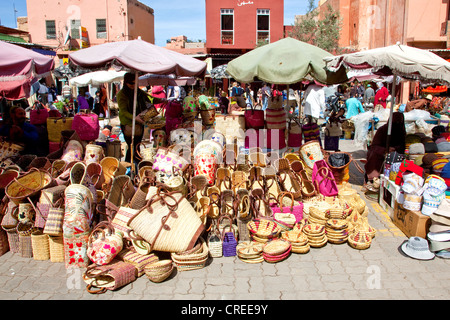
{"points": [[86, 126]]}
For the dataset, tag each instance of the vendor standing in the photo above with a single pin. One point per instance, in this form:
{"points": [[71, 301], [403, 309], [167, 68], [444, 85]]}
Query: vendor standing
{"points": [[125, 101], [381, 95], [18, 131]]}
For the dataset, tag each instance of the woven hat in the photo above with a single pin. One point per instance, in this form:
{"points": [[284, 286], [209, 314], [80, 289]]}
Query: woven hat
{"points": [[439, 245], [427, 159], [431, 203], [417, 148], [439, 236], [439, 164], [444, 208], [417, 248], [438, 227]]}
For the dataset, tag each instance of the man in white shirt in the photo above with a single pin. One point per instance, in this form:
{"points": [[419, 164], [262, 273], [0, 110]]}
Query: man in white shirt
{"points": [[43, 93], [314, 101]]}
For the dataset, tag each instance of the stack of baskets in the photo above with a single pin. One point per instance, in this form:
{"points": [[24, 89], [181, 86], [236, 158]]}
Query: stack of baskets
{"points": [[317, 215], [192, 259], [250, 251], [277, 250], [316, 235], [285, 221], [336, 231], [263, 230], [159, 271], [360, 240], [298, 240]]}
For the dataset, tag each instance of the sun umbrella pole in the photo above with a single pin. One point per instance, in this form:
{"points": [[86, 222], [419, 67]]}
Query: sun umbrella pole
{"points": [[136, 87], [391, 112]]}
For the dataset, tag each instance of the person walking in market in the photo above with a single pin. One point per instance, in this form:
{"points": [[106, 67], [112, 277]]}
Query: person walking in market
{"points": [[381, 95], [125, 101], [354, 107]]}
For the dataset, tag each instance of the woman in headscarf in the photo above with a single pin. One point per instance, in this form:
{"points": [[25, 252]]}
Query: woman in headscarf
{"points": [[381, 95], [378, 149]]}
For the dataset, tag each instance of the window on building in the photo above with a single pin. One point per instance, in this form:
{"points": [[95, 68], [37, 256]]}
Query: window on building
{"points": [[101, 29], [50, 29], [227, 26], [75, 29], [263, 26]]}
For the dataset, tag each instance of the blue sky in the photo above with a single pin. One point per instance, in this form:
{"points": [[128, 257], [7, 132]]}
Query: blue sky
{"points": [[172, 18]]}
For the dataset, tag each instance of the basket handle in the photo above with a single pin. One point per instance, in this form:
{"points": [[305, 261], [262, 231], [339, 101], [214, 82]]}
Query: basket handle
{"points": [[281, 196]]}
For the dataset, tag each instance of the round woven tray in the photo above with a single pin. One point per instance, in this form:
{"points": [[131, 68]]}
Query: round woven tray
{"points": [[263, 228], [359, 240], [301, 249], [276, 247], [313, 229], [159, 277]]}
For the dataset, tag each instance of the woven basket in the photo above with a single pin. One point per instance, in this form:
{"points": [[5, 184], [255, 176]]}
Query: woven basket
{"points": [[109, 277], [13, 238], [139, 261], [192, 259], [277, 250], [25, 246], [171, 226], [359, 240], [56, 125], [159, 270], [263, 229], [56, 247], [310, 152], [28, 185], [40, 245], [215, 245], [4, 243]]}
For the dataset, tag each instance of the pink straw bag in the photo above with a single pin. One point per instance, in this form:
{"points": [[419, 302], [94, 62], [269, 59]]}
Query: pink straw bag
{"points": [[323, 179]]}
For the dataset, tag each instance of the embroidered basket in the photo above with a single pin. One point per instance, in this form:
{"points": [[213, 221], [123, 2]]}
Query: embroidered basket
{"points": [[310, 152]]}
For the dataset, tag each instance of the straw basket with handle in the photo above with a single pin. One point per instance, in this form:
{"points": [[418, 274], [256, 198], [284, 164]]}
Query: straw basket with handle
{"points": [[28, 185], [56, 246], [56, 125], [168, 222], [310, 152]]}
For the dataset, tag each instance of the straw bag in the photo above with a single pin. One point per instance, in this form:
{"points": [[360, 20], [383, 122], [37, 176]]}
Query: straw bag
{"points": [[86, 125], [25, 230], [75, 250], [55, 126], [215, 244], [121, 218], [167, 161], [254, 118], [323, 179], [168, 222], [78, 210], [28, 185], [310, 152], [295, 210], [113, 148], [275, 118], [112, 276], [40, 245], [94, 153], [310, 130], [4, 243], [139, 261], [56, 246], [229, 239], [294, 133], [145, 152], [104, 243], [55, 219], [206, 165], [13, 238]]}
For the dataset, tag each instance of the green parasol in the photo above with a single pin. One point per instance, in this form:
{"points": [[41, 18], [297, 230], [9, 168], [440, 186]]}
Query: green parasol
{"points": [[285, 61]]}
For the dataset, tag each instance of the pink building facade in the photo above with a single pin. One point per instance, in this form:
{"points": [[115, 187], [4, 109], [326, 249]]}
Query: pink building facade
{"points": [[51, 22]]}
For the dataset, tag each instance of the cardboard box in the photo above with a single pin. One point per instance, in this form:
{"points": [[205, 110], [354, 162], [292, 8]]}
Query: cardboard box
{"points": [[411, 223], [388, 195]]}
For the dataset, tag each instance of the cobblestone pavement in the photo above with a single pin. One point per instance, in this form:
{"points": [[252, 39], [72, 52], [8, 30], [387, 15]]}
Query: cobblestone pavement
{"points": [[331, 272]]}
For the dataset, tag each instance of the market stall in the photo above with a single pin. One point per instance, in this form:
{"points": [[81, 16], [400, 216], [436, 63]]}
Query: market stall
{"points": [[413, 185]]}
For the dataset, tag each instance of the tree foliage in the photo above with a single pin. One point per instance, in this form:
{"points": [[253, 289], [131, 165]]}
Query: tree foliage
{"points": [[323, 31]]}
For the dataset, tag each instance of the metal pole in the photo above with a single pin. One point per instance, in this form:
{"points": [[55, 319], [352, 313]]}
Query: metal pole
{"points": [[136, 87], [391, 112]]}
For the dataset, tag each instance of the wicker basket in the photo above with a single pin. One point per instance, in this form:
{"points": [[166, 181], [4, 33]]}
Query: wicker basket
{"points": [[360, 240], [139, 261], [263, 229], [192, 259], [310, 152], [159, 270], [56, 247], [215, 245], [4, 243], [13, 238], [208, 117], [158, 226], [40, 245], [28, 185]]}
